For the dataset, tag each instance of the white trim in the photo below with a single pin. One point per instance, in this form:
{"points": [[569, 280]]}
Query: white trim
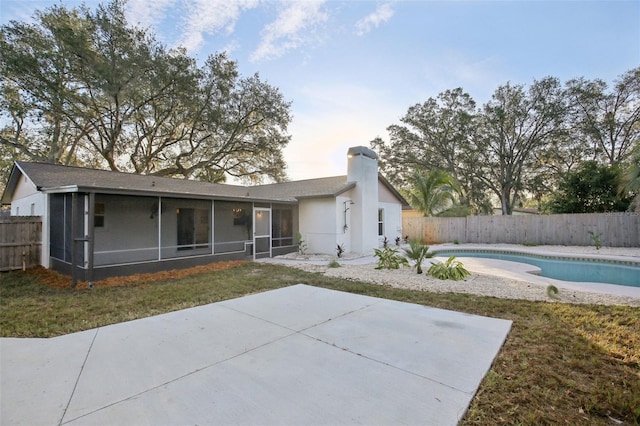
{"points": [[59, 189], [159, 228], [45, 249]]}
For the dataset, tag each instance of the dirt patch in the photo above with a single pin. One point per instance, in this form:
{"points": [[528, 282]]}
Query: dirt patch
{"points": [[57, 280]]}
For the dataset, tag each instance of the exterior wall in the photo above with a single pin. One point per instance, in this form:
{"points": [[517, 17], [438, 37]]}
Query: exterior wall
{"points": [[364, 212], [392, 221], [27, 200], [318, 224], [392, 213], [130, 231], [169, 226], [29, 205], [344, 221]]}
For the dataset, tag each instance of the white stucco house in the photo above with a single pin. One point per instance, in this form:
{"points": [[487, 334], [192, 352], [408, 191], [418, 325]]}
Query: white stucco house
{"points": [[99, 223]]}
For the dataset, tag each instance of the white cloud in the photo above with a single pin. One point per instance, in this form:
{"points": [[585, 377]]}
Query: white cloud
{"points": [[290, 30], [147, 13], [382, 14], [209, 17]]}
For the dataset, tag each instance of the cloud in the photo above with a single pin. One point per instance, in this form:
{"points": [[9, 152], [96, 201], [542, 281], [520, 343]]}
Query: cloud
{"points": [[209, 17], [382, 14], [291, 29], [147, 14]]}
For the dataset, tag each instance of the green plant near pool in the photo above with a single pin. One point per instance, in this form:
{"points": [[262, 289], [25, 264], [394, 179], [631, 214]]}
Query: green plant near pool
{"points": [[389, 258], [452, 269], [417, 252]]}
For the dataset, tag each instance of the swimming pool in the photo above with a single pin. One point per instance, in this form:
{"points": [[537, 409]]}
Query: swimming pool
{"points": [[564, 268]]}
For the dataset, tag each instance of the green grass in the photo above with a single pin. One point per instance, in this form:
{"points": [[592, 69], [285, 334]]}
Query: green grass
{"points": [[560, 364]]}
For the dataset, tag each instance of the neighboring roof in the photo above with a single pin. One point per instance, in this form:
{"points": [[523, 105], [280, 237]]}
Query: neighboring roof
{"points": [[57, 178]]}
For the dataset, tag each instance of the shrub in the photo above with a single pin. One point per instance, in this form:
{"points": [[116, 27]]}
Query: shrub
{"points": [[450, 270], [389, 258], [302, 244], [418, 253], [334, 264], [595, 237]]}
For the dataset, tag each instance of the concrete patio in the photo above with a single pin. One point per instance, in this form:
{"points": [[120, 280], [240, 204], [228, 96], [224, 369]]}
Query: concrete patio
{"points": [[296, 355]]}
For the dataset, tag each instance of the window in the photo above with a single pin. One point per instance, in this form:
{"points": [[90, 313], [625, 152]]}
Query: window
{"points": [[98, 215], [193, 228], [380, 222], [282, 227]]}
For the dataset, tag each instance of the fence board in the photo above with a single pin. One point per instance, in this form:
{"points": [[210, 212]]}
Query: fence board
{"points": [[20, 242], [615, 229]]}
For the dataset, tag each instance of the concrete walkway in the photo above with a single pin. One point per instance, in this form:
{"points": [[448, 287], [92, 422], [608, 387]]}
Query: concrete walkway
{"points": [[296, 355]]}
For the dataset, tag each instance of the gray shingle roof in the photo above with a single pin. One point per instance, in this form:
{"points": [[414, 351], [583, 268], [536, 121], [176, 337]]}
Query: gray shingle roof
{"points": [[52, 176]]}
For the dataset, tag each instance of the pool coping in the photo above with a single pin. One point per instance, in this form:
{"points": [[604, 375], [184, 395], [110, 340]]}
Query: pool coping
{"points": [[577, 257]]}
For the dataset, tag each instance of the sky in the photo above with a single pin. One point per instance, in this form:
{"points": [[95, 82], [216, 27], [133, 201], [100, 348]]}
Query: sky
{"points": [[353, 68]]}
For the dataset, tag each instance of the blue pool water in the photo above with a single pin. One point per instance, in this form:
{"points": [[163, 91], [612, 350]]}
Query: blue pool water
{"points": [[601, 271]]}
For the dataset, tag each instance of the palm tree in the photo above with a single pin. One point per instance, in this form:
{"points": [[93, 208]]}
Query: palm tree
{"points": [[432, 192], [418, 253]]}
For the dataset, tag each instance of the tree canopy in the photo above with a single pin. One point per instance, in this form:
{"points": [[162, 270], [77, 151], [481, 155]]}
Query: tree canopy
{"points": [[522, 142], [84, 87], [592, 188]]}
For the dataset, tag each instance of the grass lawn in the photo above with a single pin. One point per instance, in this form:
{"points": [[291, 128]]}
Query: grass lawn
{"points": [[561, 363]]}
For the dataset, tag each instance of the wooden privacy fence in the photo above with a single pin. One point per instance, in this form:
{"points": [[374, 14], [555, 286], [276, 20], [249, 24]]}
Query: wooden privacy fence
{"points": [[20, 242], [615, 229]]}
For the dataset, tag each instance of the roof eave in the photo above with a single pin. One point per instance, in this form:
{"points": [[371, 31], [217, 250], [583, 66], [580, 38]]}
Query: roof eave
{"points": [[168, 194]]}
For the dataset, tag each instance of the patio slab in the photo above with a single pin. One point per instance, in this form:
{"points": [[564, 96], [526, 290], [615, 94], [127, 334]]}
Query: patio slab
{"points": [[296, 355]]}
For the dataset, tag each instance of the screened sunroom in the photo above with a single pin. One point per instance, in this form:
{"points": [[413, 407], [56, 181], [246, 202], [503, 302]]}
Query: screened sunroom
{"points": [[128, 233]]}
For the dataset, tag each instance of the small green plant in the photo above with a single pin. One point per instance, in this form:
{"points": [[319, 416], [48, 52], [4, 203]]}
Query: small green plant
{"points": [[389, 258], [452, 269], [596, 239], [334, 264], [302, 244], [418, 253], [340, 250], [529, 244], [552, 292], [456, 242]]}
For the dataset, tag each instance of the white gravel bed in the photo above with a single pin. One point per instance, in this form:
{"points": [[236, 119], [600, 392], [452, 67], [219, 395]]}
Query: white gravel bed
{"points": [[479, 284]]}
